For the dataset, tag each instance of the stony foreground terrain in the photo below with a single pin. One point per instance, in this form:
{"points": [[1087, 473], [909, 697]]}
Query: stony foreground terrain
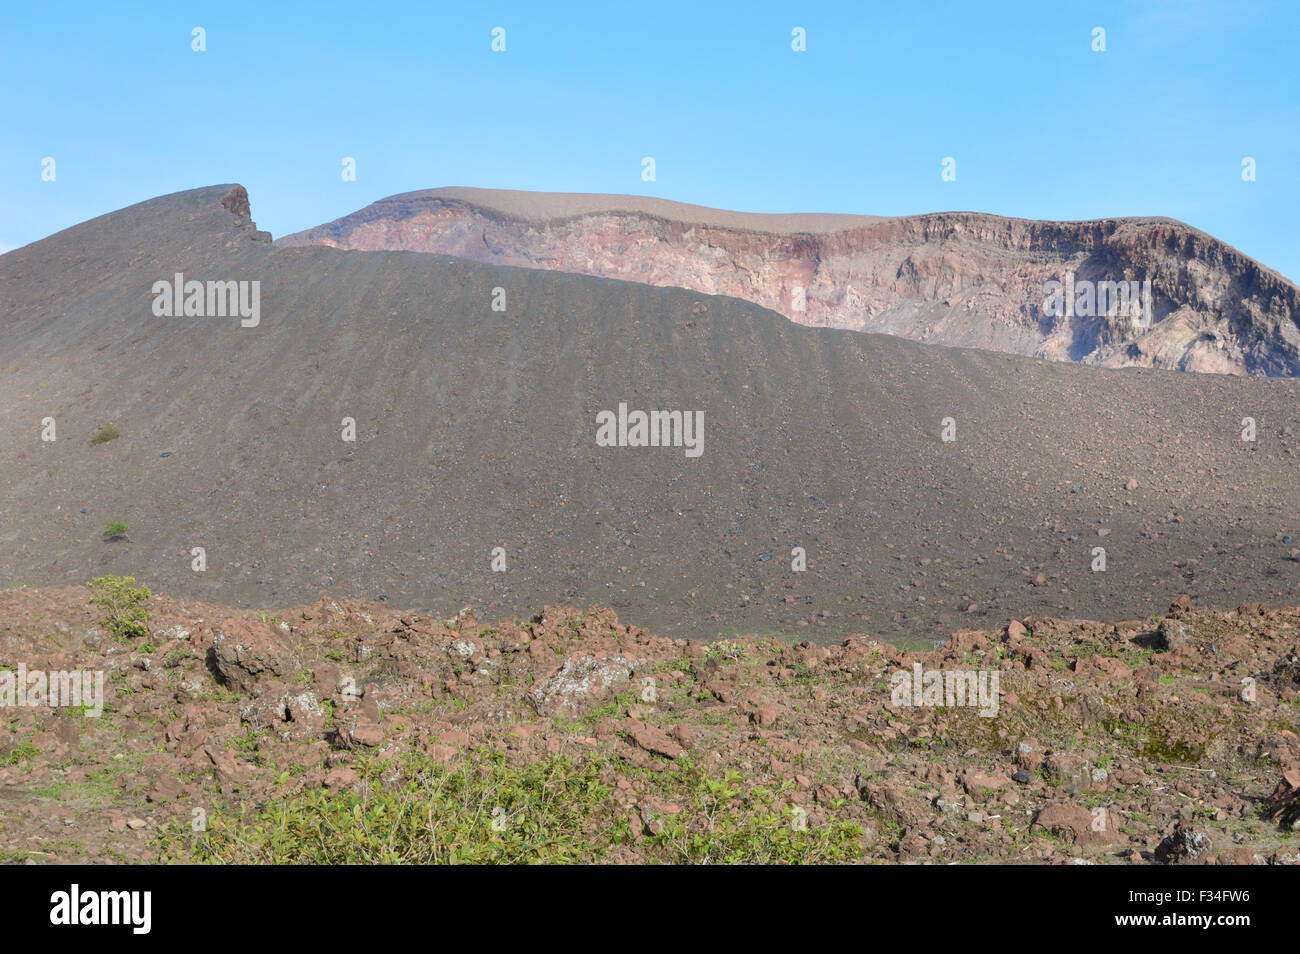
{"points": [[954, 278], [475, 429], [348, 731]]}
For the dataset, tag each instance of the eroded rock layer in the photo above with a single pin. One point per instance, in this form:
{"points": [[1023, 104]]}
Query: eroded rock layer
{"points": [[955, 278]]}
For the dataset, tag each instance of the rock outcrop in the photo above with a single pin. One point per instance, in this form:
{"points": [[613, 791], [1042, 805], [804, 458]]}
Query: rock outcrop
{"points": [[954, 278]]}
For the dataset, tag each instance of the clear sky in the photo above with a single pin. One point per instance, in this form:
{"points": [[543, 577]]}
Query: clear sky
{"points": [[1040, 125]]}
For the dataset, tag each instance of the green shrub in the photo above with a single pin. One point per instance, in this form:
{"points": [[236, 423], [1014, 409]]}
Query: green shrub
{"points": [[116, 530], [105, 434], [121, 600]]}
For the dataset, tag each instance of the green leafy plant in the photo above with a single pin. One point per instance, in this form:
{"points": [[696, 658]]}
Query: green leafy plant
{"points": [[121, 599], [116, 530], [475, 813], [24, 751], [486, 810]]}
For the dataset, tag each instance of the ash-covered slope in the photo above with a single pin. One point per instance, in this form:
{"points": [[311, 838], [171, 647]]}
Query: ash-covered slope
{"points": [[476, 429], [957, 278]]}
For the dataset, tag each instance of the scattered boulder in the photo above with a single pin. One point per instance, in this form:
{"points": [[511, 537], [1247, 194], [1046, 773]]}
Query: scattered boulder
{"points": [[980, 783], [1283, 805], [1074, 772], [1171, 635], [1183, 845], [1078, 825], [243, 652], [582, 683], [653, 740]]}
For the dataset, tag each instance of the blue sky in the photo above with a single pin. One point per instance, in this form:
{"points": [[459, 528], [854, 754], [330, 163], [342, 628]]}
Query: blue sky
{"points": [[1039, 124]]}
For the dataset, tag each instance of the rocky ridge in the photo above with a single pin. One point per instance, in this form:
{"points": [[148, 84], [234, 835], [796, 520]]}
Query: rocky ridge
{"points": [[1168, 740], [955, 278]]}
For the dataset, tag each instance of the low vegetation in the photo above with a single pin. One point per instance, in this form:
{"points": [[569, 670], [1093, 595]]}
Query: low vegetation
{"points": [[486, 810], [103, 435], [121, 601], [115, 530]]}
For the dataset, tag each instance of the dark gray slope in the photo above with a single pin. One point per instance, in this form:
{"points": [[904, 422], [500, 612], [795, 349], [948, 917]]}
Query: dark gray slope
{"points": [[476, 429]]}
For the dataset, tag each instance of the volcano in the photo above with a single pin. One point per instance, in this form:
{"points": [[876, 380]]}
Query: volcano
{"points": [[422, 429], [956, 278]]}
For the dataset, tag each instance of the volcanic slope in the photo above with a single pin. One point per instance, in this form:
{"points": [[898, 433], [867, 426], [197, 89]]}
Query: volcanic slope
{"points": [[476, 428], [953, 278]]}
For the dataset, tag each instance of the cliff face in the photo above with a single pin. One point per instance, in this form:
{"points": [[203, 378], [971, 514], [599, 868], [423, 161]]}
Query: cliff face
{"points": [[958, 279]]}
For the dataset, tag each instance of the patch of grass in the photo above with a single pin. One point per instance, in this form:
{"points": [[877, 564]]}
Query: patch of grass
{"points": [[727, 649], [24, 751], [1165, 746], [586, 722], [488, 812], [485, 810], [722, 823], [249, 741], [1159, 739], [681, 664], [53, 790], [97, 791], [176, 656]]}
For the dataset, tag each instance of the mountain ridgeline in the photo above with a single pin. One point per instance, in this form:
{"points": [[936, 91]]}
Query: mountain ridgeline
{"points": [[473, 393], [956, 278]]}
